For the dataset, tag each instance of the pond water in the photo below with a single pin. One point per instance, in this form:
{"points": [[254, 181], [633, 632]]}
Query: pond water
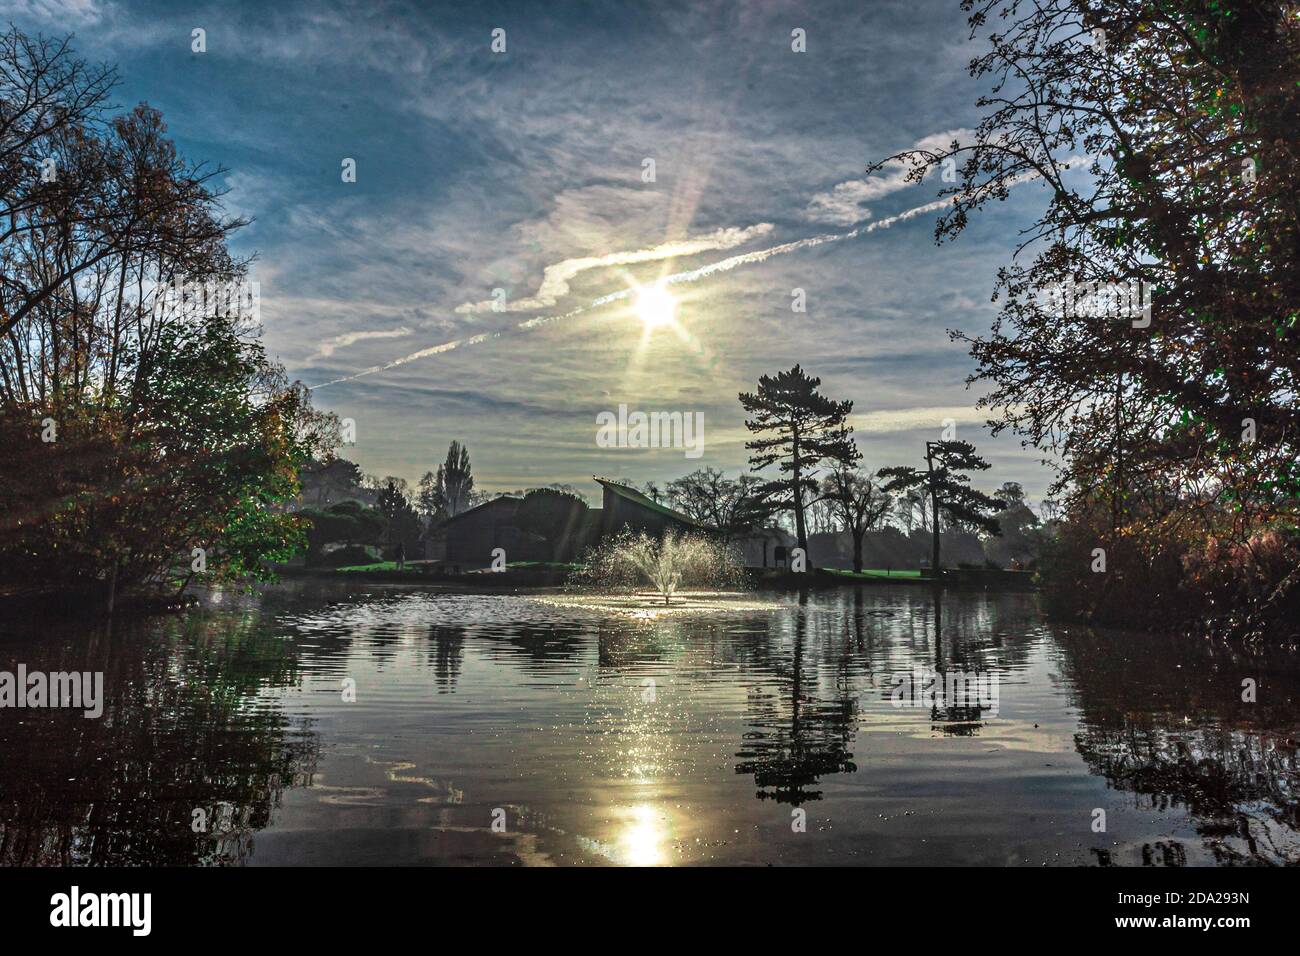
{"points": [[321, 724]]}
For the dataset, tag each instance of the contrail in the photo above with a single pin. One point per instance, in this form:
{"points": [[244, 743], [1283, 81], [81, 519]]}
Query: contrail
{"points": [[693, 275]]}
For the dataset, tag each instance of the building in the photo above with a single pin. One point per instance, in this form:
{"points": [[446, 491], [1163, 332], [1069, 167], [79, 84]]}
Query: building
{"points": [[765, 547], [548, 532], [623, 507], [469, 539]]}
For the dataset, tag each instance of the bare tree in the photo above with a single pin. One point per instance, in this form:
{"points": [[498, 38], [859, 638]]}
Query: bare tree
{"points": [[858, 500]]}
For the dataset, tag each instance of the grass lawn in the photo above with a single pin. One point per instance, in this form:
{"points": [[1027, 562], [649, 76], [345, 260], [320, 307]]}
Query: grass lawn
{"points": [[874, 573], [418, 567], [412, 567]]}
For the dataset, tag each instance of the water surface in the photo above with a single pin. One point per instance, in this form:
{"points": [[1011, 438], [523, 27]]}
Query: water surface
{"points": [[315, 724]]}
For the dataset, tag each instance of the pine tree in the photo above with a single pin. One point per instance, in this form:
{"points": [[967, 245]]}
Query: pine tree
{"points": [[949, 489], [802, 428]]}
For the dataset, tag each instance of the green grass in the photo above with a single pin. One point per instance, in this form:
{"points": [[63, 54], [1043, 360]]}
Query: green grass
{"points": [[411, 567], [417, 567], [874, 573]]}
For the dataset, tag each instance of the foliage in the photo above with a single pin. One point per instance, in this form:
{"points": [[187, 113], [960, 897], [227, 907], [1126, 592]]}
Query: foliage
{"points": [[140, 422], [802, 429], [948, 486], [731, 506], [1166, 133]]}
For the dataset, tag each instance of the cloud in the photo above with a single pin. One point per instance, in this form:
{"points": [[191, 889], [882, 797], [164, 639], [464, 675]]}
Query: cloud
{"points": [[331, 345], [693, 275], [911, 419], [843, 205], [556, 278], [62, 12]]}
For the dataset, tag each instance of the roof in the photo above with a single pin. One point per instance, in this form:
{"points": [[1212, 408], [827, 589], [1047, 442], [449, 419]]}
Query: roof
{"points": [[634, 496], [494, 502]]}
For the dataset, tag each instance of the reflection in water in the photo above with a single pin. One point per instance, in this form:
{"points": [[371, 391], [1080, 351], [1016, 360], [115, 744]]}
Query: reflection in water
{"points": [[187, 762], [598, 735], [642, 839], [797, 737], [1196, 744]]}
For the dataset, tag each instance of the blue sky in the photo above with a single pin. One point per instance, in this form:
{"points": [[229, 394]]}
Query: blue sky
{"points": [[479, 170]]}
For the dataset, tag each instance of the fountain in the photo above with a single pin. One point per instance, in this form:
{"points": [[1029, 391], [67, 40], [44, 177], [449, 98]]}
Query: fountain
{"points": [[632, 559]]}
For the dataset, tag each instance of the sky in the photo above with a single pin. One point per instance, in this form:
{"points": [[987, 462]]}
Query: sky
{"points": [[525, 171]]}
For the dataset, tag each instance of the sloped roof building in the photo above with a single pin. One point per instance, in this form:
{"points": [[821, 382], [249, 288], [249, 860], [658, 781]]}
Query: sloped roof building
{"points": [[624, 507]]}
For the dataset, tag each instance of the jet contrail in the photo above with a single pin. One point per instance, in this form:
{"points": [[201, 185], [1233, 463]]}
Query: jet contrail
{"points": [[694, 275]]}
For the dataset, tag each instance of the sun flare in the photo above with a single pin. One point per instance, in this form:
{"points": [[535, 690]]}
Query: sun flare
{"points": [[656, 306]]}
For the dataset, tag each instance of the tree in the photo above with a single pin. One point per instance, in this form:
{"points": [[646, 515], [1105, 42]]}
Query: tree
{"points": [[332, 480], [912, 510], [401, 523], [1186, 115], [1020, 540], [949, 489], [858, 501], [88, 203], [711, 498], [803, 428], [147, 436], [558, 516], [1013, 493], [197, 459], [455, 480], [430, 501]]}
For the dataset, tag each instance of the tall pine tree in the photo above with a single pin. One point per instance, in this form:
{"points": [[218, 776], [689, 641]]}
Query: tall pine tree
{"points": [[949, 489], [801, 428]]}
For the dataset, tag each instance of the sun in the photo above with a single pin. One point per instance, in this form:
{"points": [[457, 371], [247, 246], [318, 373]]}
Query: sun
{"points": [[656, 306]]}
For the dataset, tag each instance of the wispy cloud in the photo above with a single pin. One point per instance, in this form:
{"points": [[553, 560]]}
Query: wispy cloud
{"points": [[61, 12], [556, 278], [334, 343], [843, 204], [693, 275]]}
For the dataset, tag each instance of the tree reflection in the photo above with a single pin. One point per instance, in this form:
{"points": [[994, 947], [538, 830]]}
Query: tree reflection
{"points": [[797, 737], [1164, 719], [183, 730]]}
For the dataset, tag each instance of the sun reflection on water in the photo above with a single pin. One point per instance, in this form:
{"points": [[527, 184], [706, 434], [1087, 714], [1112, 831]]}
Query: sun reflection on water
{"points": [[641, 842]]}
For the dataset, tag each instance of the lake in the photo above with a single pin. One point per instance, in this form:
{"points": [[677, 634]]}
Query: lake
{"points": [[337, 723]]}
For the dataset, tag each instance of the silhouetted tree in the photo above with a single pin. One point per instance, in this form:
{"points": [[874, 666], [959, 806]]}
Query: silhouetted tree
{"points": [[859, 501], [949, 489], [1166, 134], [430, 502], [731, 505], [803, 428], [139, 420], [455, 480]]}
